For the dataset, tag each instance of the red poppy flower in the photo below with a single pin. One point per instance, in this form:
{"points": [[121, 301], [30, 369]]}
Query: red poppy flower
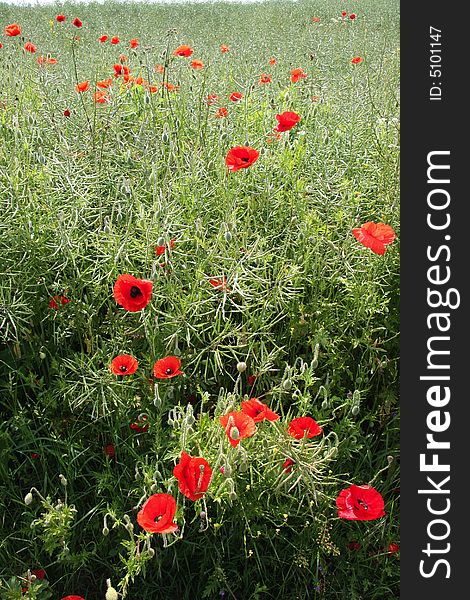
{"points": [[360, 503], [264, 78], [222, 112], [394, 548], [140, 425], [258, 411], [352, 16], [316, 19], [287, 120], [237, 426], [183, 51], [170, 87], [193, 474], [219, 283], [60, 18], [272, 61], [115, 40], [168, 367], [106, 83], [72, 598], [101, 97], [374, 236], [52, 61], [124, 364], [77, 22], [57, 301], [197, 64], [343, 13], [12, 30], [271, 138], [159, 250], [109, 450], [236, 96], [67, 112], [354, 545], [134, 43], [356, 60], [224, 49], [29, 47], [212, 99], [122, 58], [34, 455], [288, 464], [251, 380], [131, 293], [241, 157], [303, 426], [157, 514], [82, 87], [297, 74], [1, 45], [153, 89], [159, 69], [103, 38]]}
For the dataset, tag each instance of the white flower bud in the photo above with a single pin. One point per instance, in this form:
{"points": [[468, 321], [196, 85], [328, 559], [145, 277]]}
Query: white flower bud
{"points": [[28, 498], [105, 531], [62, 479], [241, 367], [111, 594]]}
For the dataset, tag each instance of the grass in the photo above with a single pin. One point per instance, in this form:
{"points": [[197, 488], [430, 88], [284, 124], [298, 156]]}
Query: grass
{"points": [[312, 313]]}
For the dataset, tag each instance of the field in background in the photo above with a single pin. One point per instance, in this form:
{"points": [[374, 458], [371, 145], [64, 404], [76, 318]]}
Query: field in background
{"points": [[312, 313]]}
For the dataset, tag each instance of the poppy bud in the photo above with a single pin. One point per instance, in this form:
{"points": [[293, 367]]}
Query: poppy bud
{"points": [[287, 384], [228, 236], [241, 367], [324, 404], [42, 355], [153, 487], [203, 514], [28, 498], [389, 459], [355, 410], [151, 552], [111, 593], [62, 480], [105, 531], [227, 470], [234, 433], [165, 137]]}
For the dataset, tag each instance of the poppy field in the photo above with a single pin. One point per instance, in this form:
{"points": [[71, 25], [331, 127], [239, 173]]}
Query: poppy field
{"points": [[199, 301]]}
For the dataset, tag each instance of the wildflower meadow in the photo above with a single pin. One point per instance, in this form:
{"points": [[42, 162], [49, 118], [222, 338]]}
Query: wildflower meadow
{"points": [[199, 301]]}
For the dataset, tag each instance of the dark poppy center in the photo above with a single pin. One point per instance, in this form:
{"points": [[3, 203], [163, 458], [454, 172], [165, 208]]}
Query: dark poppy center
{"points": [[135, 291], [123, 368], [362, 504], [168, 371], [245, 158], [258, 411]]}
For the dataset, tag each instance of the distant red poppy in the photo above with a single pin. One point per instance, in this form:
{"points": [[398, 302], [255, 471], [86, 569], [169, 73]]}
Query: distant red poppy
{"points": [[273, 137], [193, 475], [219, 283], [159, 250], [58, 301], [101, 97], [115, 40], [241, 157], [153, 89], [106, 83], [29, 47], [212, 99], [288, 464], [352, 16], [168, 367], [134, 43], [316, 19], [394, 548], [67, 112], [39, 573], [343, 13], [72, 598], [224, 49], [131, 293], [197, 64], [354, 545], [258, 411], [360, 503], [374, 236], [12, 30], [117, 69], [159, 69], [47, 60], [304, 426], [34, 455], [222, 112], [140, 425], [272, 61], [251, 380], [82, 87], [264, 78], [356, 60], [236, 96], [122, 58], [183, 51], [103, 38], [1, 45], [170, 87], [124, 364], [297, 74], [60, 18], [237, 426], [109, 450], [77, 22], [157, 514], [287, 120]]}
